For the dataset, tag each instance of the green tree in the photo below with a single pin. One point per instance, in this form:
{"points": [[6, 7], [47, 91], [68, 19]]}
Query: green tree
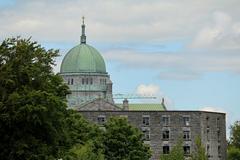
{"points": [[199, 151], [123, 142], [234, 142], [32, 102], [235, 135], [175, 154]]}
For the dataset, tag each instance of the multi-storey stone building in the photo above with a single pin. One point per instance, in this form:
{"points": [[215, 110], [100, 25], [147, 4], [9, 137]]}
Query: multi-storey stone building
{"points": [[83, 69]]}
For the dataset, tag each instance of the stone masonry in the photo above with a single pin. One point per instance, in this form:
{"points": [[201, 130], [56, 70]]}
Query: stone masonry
{"points": [[162, 129]]}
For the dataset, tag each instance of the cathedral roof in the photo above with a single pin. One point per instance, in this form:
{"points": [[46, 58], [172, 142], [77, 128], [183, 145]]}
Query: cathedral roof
{"points": [[83, 58]]}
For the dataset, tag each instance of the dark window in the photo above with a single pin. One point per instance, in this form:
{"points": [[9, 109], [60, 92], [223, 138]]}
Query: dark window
{"points": [[68, 81], [165, 149], [101, 119], [208, 134], [218, 123], [166, 135], [146, 120], [91, 81], [82, 80], [166, 120], [72, 81], [208, 150], [146, 134], [186, 135], [207, 119], [219, 151], [186, 120], [186, 150], [86, 80]]}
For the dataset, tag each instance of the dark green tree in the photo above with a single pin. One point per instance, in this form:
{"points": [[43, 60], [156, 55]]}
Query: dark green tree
{"points": [[235, 135], [176, 153], [32, 102], [234, 142], [122, 141]]}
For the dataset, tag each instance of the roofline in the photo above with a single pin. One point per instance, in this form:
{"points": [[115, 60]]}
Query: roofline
{"points": [[151, 111]]}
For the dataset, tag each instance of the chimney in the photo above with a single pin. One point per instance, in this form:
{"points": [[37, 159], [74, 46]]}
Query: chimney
{"points": [[125, 105]]}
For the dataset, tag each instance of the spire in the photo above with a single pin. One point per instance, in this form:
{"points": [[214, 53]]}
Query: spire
{"points": [[83, 36]]}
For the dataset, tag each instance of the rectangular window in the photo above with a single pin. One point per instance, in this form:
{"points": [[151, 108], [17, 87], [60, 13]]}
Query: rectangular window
{"points": [[186, 150], [101, 120], [208, 134], [186, 120], [146, 134], [86, 80], [166, 120], [208, 150], [72, 81], [186, 135], [165, 149], [82, 80], [219, 151], [207, 120], [91, 81], [146, 120], [68, 81], [165, 135], [218, 123]]}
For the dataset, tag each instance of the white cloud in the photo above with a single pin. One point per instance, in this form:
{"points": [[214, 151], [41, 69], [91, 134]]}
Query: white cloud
{"points": [[223, 33], [150, 89]]}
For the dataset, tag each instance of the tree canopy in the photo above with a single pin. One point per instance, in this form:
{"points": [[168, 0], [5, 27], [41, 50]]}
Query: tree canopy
{"points": [[35, 122], [123, 141], [234, 142]]}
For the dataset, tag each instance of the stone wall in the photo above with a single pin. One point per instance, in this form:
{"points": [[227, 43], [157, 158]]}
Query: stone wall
{"points": [[195, 123]]}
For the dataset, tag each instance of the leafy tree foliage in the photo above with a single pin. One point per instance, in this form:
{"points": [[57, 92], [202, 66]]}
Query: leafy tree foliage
{"points": [[175, 154], [234, 142], [32, 102], [123, 142], [235, 135], [199, 153]]}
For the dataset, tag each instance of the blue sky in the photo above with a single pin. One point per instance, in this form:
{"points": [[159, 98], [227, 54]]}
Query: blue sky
{"points": [[186, 51]]}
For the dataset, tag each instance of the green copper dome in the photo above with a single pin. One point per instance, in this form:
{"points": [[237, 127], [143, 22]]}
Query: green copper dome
{"points": [[83, 58]]}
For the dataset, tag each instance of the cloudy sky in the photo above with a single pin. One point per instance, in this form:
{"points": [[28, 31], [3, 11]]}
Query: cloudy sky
{"points": [[186, 51]]}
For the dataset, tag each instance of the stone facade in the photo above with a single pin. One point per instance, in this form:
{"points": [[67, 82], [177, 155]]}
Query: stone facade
{"points": [[162, 129], [86, 87]]}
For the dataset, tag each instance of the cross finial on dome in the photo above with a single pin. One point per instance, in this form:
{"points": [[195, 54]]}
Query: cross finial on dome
{"points": [[83, 19], [83, 36]]}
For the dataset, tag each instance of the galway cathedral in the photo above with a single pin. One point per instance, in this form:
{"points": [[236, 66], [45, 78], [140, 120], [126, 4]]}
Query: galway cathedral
{"points": [[84, 71]]}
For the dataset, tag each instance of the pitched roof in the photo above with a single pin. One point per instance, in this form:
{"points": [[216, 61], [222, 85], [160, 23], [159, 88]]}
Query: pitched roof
{"points": [[145, 107]]}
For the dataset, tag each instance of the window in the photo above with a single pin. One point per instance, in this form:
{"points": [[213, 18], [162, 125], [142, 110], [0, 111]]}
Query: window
{"points": [[207, 119], [101, 120], [208, 136], [186, 120], [146, 134], [218, 123], [186, 135], [83, 80], [208, 150], [68, 81], [72, 81], [165, 149], [166, 120], [166, 135], [219, 151], [146, 120], [86, 80], [91, 81], [186, 150]]}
